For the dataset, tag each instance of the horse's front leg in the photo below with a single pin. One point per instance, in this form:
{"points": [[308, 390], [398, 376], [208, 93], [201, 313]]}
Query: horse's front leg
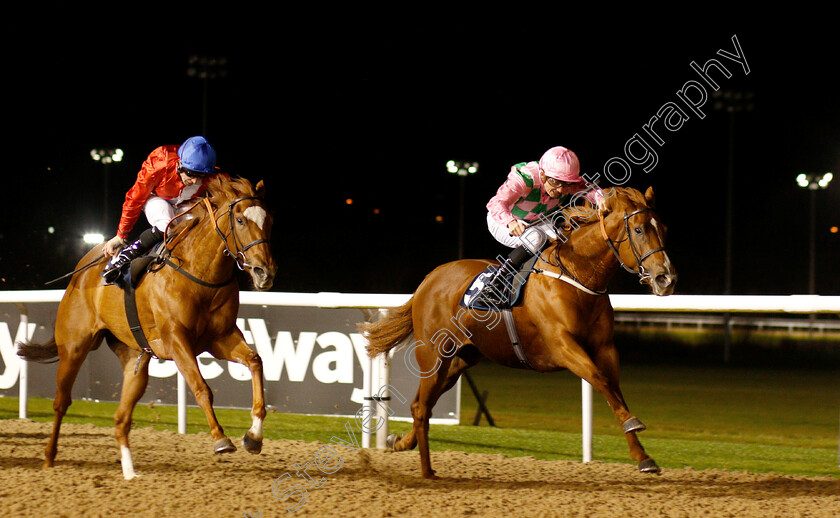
{"points": [[602, 374], [605, 358], [184, 357], [234, 348]]}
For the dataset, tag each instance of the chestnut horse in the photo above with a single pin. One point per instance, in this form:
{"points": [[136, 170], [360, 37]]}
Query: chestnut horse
{"points": [[560, 325], [186, 306]]}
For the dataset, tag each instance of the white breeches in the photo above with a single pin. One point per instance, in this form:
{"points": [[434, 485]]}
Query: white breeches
{"points": [[159, 212], [533, 238]]}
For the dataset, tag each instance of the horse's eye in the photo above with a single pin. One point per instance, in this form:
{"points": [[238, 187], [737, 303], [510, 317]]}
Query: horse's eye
{"points": [[239, 220], [638, 230]]}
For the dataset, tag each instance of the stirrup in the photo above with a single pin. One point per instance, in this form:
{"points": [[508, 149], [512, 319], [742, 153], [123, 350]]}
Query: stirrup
{"points": [[494, 291], [111, 272]]}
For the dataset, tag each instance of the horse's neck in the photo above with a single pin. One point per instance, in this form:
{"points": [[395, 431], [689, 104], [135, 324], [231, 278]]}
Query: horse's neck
{"points": [[587, 256]]}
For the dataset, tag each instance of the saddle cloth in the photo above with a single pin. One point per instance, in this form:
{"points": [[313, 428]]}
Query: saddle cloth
{"points": [[513, 287]]}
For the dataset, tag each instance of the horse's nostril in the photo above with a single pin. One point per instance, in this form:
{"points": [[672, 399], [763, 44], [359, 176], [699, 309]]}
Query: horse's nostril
{"points": [[663, 280], [259, 272]]}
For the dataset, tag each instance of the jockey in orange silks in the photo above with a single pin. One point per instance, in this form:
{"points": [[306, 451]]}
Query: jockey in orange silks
{"points": [[169, 175]]}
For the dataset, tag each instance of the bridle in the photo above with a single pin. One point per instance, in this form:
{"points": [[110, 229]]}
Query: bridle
{"points": [[238, 254], [640, 269]]}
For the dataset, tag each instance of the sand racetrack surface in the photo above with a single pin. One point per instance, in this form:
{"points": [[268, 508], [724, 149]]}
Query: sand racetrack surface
{"points": [[179, 476]]}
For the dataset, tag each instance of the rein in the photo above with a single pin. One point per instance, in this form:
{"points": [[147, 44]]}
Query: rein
{"points": [[565, 275]]}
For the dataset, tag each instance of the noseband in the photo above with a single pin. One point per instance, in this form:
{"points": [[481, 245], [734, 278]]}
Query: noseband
{"points": [[640, 269], [239, 253]]}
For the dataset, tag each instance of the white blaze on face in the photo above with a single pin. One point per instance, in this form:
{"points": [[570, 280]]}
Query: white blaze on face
{"points": [[661, 242], [255, 214]]}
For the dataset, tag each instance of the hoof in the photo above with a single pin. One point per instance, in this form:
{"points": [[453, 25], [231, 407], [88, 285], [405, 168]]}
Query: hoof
{"points": [[223, 445], [391, 440], [649, 466], [633, 425], [431, 476], [251, 445]]}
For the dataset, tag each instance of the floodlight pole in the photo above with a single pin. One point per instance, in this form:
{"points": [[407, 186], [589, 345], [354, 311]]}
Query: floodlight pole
{"points": [[813, 182], [812, 252], [462, 186], [206, 68], [731, 102], [106, 157], [464, 169]]}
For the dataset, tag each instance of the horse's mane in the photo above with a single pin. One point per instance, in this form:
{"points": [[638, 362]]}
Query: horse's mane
{"points": [[220, 189], [630, 194], [227, 187], [586, 214]]}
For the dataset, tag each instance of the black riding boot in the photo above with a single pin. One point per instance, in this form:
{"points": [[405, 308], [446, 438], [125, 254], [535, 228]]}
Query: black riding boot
{"points": [[493, 291], [144, 243]]}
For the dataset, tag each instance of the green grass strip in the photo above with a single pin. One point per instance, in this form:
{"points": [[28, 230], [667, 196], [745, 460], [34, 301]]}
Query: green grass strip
{"points": [[735, 419]]}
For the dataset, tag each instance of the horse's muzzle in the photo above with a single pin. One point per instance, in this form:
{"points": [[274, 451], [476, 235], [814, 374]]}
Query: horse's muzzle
{"points": [[263, 277], [664, 283]]}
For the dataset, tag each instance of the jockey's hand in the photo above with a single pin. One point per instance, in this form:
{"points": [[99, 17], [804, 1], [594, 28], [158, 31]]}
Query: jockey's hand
{"points": [[113, 246], [516, 228], [602, 203]]}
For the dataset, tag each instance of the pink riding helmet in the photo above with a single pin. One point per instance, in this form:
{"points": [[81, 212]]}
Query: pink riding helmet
{"points": [[561, 164]]}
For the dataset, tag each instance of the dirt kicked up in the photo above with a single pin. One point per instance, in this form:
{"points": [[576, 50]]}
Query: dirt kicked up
{"points": [[180, 477]]}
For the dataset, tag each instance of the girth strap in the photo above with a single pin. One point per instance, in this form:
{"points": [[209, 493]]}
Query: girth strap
{"points": [[514, 338], [134, 318]]}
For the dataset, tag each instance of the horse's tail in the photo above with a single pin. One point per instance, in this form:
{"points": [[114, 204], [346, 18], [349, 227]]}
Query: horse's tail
{"points": [[41, 353], [388, 332]]}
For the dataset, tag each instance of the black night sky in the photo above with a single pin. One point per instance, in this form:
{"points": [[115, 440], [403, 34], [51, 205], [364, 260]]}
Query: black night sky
{"points": [[372, 111]]}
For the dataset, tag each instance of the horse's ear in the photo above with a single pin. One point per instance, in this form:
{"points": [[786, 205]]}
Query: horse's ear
{"points": [[650, 198], [260, 189]]}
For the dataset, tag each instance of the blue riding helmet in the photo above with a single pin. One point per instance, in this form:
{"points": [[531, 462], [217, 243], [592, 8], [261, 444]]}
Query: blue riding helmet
{"points": [[197, 156]]}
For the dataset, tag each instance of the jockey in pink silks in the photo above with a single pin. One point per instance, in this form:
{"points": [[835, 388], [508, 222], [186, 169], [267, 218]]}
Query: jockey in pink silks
{"points": [[516, 214]]}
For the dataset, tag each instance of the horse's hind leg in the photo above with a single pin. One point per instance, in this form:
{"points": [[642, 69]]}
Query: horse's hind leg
{"points": [[430, 390], [234, 348], [133, 388], [70, 361], [459, 364]]}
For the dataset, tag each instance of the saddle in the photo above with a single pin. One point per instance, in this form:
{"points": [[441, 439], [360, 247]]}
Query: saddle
{"points": [[513, 287]]}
